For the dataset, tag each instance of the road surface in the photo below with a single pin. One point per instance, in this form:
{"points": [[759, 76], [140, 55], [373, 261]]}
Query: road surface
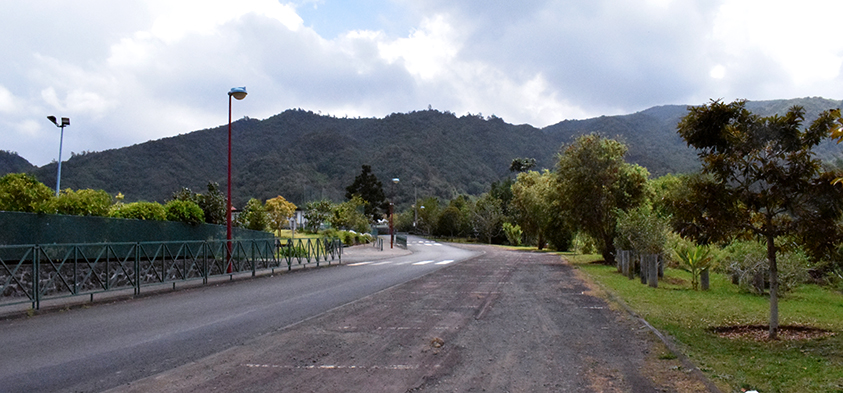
{"points": [[106, 345]]}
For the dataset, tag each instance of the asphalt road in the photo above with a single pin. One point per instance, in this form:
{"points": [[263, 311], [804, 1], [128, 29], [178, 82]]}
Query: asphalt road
{"points": [[504, 321], [106, 345]]}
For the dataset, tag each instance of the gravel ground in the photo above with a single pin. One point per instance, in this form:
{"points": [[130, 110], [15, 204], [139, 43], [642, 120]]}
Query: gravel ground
{"points": [[504, 321]]}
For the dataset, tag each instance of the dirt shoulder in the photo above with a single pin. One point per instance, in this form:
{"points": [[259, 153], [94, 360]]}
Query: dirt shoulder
{"points": [[503, 321]]}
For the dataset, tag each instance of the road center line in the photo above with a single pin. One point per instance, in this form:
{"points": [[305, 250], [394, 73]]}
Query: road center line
{"points": [[423, 262]]}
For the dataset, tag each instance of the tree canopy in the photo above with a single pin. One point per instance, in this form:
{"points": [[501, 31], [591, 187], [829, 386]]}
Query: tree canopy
{"points": [[594, 183], [760, 177], [367, 186]]}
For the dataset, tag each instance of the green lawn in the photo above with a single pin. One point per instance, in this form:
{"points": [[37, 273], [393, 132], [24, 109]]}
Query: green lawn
{"points": [[734, 364], [286, 233]]}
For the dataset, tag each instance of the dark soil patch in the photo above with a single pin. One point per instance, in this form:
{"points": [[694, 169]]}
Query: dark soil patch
{"points": [[761, 332], [675, 281]]}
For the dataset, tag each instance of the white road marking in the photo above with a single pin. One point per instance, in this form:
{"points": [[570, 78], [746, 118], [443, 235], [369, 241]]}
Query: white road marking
{"points": [[445, 262], [423, 262], [359, 263], [381, 263], [335, 366]]}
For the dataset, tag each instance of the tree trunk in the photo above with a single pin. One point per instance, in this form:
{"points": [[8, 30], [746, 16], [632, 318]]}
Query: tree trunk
{"points": [[774, 286]]}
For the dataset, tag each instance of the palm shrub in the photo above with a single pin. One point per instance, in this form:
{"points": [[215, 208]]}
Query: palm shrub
{"points": [[695, 260], [513, 233]]}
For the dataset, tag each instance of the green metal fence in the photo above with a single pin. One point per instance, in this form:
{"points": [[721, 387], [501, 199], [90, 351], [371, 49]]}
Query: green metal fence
{"points": [[32, 273], [401, 241]]}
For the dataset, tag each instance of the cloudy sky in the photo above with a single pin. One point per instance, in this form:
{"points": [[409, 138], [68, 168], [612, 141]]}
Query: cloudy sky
{"points": [[134, 70]]}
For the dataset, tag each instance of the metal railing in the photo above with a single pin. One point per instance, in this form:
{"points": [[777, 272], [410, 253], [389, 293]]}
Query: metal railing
{"points": [[401, 241], [378, 243], [33, 273]]}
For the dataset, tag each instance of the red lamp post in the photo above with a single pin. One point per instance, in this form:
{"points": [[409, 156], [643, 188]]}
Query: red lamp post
{"points": [[391, 207], [238, 93]]}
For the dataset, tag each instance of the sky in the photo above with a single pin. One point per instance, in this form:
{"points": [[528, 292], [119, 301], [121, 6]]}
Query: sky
{"points": [[130, 71]]}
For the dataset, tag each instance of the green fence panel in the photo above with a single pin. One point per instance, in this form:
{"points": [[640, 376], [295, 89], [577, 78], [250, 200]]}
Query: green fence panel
{"points": [[32, 272]]}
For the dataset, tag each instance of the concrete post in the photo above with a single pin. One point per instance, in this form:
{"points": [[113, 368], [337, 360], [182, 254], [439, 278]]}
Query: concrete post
{"points": [[653, 265]]}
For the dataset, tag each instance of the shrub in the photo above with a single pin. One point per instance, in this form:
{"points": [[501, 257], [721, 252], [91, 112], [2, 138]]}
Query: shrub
{"points": [[747, 262], [80, 203], [298, 251], [584, 244], [642, 230], [138, 211], [349, 238], [184, 211], [20, 192], [253, 216], [513, 233]]}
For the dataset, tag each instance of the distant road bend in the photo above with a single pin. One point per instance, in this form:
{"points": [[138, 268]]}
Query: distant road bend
{"points": [[107, 345]]}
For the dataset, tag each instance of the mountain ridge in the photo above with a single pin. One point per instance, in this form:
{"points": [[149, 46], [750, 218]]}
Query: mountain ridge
{"points": [[304, 156]]}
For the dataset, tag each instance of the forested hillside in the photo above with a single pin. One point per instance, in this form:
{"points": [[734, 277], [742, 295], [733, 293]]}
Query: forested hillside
{"points": [[11, 162], [305, 156]]}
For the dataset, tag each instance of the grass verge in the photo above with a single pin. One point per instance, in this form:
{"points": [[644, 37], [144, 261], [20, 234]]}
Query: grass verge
{"points": [[812, 365], [286, 234]]}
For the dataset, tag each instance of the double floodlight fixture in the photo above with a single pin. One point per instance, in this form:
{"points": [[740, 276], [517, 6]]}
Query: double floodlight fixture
{"points": [[65, 121]]}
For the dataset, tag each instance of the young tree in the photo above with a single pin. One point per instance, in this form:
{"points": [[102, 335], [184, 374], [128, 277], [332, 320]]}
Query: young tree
{"points": [[488, 217], [253, 216], [449, 222], [367, 186], [594, 183], [428, 211], [279, 210], [316, 213], [349, 215], [532, 196], [213, 204], [764, 175]]}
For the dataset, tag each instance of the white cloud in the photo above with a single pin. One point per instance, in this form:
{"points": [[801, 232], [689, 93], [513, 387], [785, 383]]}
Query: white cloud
{"points": [[8, 102], [801, 39], [145, 69], [428, 51]]}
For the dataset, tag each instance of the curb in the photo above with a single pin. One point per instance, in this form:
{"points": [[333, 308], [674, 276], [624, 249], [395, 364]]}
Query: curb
{"points": [[665, 338]]}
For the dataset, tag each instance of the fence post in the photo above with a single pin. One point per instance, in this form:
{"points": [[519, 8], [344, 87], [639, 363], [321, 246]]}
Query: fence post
{"points": [[642, 268], [704, 279], [204, 262], [619, 261], [653, 262], [137, 268], [75, 270], [36, 276]]}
